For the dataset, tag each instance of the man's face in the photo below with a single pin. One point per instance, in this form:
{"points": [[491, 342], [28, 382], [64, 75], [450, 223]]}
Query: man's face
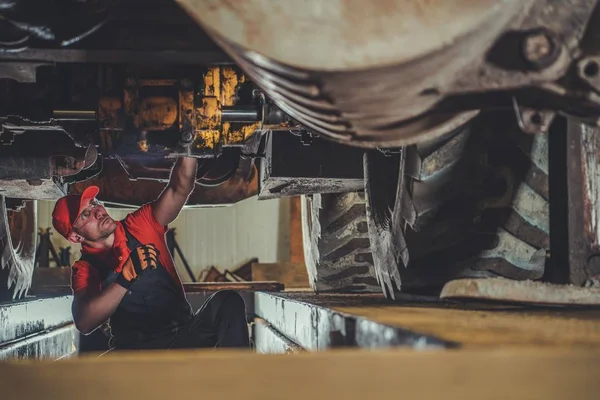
{"points": [[93, 223]]}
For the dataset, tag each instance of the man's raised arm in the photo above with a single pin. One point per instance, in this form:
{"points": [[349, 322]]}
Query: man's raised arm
{"points": [[180, 186]]}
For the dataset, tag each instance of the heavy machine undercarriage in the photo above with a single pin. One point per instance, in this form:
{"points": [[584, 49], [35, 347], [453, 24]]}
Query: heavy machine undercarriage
{"points": [[429, 142]]}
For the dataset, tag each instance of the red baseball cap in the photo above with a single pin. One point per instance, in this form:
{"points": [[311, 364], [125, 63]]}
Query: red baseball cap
{"points": [[67, 209]]}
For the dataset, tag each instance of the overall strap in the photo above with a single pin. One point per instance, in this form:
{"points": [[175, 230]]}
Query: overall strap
{"points": [[98, 265], [92, 260], [132, 242], [95, 262]]}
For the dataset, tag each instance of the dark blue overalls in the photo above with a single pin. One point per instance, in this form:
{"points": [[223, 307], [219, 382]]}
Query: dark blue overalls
{"points": [[154, 313]]}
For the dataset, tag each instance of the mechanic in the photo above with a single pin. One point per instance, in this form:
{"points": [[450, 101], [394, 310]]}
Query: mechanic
{"points": [[127, 275]]}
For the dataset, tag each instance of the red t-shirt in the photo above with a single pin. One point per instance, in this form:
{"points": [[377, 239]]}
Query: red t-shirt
{"points": [[142, 225]]}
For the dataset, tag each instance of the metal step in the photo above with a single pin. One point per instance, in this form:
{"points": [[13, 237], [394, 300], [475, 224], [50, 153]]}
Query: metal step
{"points": [[267, 340], [307, 319], [326, 320], [25, 317], [38, 328], [53, 344]]}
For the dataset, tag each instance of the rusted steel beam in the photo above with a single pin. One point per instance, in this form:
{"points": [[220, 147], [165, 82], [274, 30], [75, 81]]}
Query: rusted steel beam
{"points": [[583, 163], [188, 57], [117, 188], [54, 155]]}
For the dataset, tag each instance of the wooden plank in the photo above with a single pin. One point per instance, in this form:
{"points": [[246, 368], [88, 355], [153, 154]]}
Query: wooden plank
{"points": [[296, 241], [451, 375], [254, 286], [583, 174], [292, 275], [507, 290]]}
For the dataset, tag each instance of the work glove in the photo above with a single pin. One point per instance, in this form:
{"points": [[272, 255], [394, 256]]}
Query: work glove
{"points": [[140, 260]]}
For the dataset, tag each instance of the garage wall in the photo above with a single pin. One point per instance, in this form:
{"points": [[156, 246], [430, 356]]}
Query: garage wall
{"points": [[224, 237]]}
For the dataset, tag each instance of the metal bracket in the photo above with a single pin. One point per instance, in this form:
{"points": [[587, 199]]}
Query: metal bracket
{"points": [[588, 70], [533, 121]]}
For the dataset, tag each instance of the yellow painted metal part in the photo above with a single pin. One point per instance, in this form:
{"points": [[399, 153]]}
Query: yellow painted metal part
{"points": [[156, 113], [220, 84], [197, 114], [238, 135]]}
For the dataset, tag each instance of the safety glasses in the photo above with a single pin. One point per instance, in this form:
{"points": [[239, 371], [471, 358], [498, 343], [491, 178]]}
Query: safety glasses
{"points": [[86, 215]]}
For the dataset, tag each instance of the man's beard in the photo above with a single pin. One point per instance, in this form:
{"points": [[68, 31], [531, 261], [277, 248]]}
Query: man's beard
{"points": [[104, 233]]}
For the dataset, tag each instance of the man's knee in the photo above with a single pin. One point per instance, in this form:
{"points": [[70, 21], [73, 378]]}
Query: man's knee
{"points": [[230, 299]]}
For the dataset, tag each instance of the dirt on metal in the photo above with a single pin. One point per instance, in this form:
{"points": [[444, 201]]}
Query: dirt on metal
{"points": [[116, 187], [470, 322]]}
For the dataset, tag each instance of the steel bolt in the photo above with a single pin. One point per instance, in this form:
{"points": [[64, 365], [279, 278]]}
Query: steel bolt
{"points": [[538, 49], [187, 137], [590, 283], [593, 264], [306, 138]]}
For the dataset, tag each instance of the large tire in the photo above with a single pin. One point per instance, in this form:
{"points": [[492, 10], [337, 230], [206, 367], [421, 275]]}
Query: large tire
{"points": [[473, 204], [336, 243], [18, 239], [487, 212]]}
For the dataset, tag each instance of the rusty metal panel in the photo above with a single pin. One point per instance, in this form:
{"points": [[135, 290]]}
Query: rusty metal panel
{"points": [[292, 167], [583, 161]]}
